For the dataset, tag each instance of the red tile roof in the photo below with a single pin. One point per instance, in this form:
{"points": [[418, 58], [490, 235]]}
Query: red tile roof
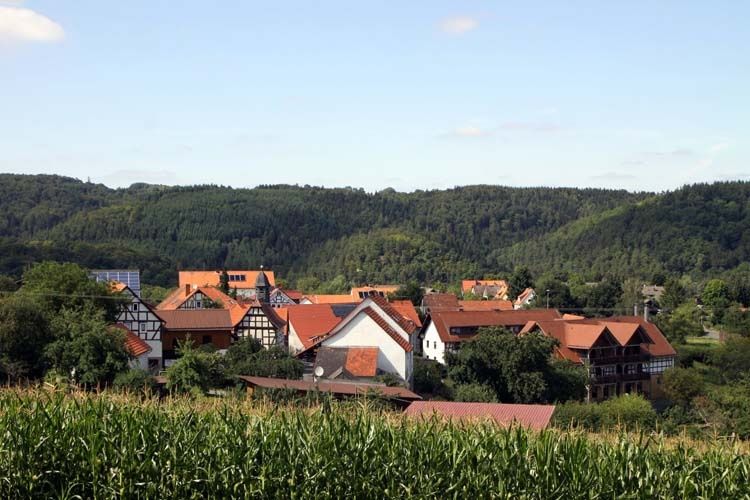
{"points": [[582, 334], [485, 305], [440, 302], [332, 299], [524, 296], [197, 319], [362, 361], [386, 289], [406, 309], [133, 343], [311, 322], [467, 285], [213, 278], [382, 323], [405, 323], [445, 320], [660, 346], [336, 388], [533, 416]]}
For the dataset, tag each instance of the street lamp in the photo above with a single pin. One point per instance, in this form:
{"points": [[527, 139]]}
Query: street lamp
{"points": [[547, 298]]}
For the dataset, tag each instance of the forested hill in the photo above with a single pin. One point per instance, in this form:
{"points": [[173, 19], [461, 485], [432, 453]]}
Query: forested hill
{"points": [[429, 236]]}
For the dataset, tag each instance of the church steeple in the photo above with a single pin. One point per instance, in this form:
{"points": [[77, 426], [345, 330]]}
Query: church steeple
{"points": [[262, 287]]}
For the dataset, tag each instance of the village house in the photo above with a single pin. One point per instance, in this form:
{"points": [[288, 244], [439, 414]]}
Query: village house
{"points": [[525, 299], [487, 289], [139, 318], [624, 354], [445, 331], [138, 350], [376, 323], [284, 298], [200, 326]]}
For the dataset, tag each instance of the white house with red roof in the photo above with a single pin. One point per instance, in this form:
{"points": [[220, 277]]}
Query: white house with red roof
{"points": [[376, 323], [447, 330]]}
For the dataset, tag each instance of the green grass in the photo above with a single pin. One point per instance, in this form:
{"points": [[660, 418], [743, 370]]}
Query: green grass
{"points": [[704, 341], [56, 446]]}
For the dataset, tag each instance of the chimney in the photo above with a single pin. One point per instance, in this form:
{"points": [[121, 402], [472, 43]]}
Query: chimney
{"points": [[645, 312], [187, 289]]}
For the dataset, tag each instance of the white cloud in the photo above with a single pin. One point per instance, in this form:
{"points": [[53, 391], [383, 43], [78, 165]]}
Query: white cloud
{"points": [[719, 147], [469, 131], [459, 25], [24, 25]]}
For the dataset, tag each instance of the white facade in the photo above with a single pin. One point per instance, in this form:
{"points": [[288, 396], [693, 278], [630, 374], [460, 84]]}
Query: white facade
{"points": [[279, 299], [432, 346], [138, 317], [358, 329]]}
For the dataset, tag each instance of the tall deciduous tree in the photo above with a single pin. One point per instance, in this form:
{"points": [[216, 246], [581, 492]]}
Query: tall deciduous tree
{"points": [[519, 369], [24, 334]]}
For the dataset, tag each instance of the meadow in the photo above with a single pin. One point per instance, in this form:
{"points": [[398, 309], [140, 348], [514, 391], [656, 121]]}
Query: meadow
{"points": [[111, 446]]}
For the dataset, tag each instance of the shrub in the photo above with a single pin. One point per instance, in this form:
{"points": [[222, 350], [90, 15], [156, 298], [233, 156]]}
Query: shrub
{"points": [[629, 411], [474, 393], [428, 376], [135, 381]]}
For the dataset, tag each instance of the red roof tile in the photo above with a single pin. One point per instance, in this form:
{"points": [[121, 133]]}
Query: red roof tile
{"points": [[336, 388], [533, 416], [362, 361], [311, 322], [445, 320], [485, 305], [197, 319], [213, 278], [467, 285], [382, 323], [440, 302], [332, 299], [406, 309], [133, 343], [408, 325]]}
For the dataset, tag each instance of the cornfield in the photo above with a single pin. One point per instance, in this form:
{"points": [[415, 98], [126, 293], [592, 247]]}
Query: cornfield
{"points": [[56, 446]]}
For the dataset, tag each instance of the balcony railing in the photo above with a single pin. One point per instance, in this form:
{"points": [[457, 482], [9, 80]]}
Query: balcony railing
{"points": [[620, 377], [625, 358]]}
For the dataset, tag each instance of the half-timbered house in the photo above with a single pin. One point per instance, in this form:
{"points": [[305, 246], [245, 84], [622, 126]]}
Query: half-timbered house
{"points": [[261, 322], [141, 319]]}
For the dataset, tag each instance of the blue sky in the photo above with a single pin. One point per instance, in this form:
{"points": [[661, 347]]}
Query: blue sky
{"points": [[405, 94]]}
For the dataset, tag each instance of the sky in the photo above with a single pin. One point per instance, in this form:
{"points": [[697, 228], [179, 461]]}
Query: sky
{"points": [[419, 94]]}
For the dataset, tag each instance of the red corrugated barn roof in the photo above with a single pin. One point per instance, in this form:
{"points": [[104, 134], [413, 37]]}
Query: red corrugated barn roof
{"points": [[532, 416]]}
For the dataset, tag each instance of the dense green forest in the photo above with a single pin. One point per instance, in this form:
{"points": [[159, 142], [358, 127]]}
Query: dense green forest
{"points": [[427, 236]]}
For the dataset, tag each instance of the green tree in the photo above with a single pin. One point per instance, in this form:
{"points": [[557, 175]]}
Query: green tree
{"points": [[681, 323], [475, 393], [136, 381], [411, 292], [224, 281], [86, 347], [190, 374], [559, 293], [7, 284], [681, 385], [519, 369], [57, 286], [675, 294], [732, 358], [428, 376], [24, 335], [248, 357], [738, 282], [520, 280]]}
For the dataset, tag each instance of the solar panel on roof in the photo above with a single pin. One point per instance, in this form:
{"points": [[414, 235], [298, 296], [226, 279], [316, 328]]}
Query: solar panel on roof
{"points": [[129, 277], [341, 310]]}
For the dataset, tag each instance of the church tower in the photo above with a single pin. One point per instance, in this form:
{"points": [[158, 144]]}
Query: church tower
{"points": [[262, 287]]}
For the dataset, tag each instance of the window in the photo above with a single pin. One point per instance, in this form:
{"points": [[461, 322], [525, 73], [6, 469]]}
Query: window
{"points": [[153, 365], [206, 339], [134, 306], [142, 327]]}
